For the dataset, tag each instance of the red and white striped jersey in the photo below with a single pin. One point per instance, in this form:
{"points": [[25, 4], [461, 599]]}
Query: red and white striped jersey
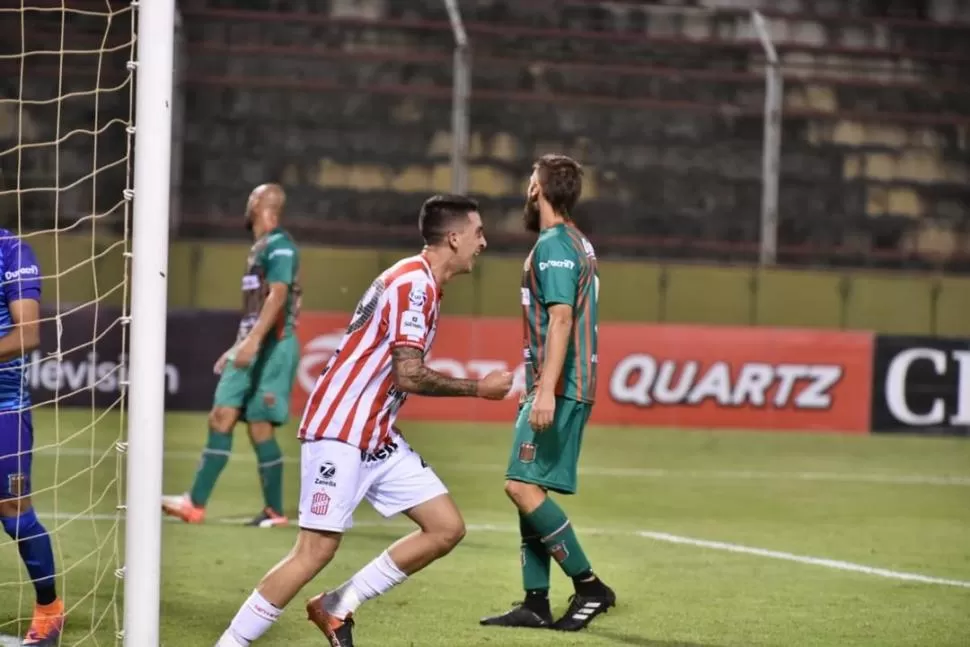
{"points": [[354, 400]]}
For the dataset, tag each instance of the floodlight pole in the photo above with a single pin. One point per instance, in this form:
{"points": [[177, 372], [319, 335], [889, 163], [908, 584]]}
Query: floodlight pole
{"points": [[771, 156], [460, 91]]}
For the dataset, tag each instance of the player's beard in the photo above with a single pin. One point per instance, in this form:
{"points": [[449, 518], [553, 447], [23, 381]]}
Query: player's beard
{"points": [[530, 214]]}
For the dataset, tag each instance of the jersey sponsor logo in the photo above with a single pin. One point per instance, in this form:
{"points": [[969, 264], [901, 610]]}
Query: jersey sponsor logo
{"points": [[412, 324], [642, 380], [30, 270], [588, 248], [325, 474], [250, 282], [320, 504], [564, 264], [281, 252], [526, 296]]}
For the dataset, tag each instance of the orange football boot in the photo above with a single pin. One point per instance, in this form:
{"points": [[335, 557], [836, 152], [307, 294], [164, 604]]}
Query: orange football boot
{"points": [[181, 507], [339, 632], [46, 626]]}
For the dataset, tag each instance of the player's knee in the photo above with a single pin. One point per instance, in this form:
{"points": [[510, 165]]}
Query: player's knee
{"points": [[260, 432], [222, 419], [524, 495], [316, 548], [516, 490], [448, 535]]}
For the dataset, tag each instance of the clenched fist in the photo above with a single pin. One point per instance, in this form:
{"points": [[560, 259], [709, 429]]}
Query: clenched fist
{"points": [[495, 386]]}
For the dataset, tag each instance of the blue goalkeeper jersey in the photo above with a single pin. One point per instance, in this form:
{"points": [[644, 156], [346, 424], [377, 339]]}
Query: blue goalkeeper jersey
{"points": [[20, 274]]}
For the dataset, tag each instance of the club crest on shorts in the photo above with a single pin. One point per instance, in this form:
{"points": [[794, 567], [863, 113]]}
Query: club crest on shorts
{"points": [[559, 552], [320, 504], [17, 484], [527, 452]]}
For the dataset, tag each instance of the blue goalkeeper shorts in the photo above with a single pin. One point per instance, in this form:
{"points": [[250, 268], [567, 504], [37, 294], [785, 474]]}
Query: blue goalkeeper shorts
{"points": [[16, 453]]}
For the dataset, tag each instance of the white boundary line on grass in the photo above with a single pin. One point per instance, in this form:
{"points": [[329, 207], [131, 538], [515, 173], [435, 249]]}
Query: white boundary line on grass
{"points": [[646, 534], [618, 472]]}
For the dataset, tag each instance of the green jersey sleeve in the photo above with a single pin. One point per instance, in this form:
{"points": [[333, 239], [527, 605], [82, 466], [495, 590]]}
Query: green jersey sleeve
{"points": [[557, 270], [280, 262]]}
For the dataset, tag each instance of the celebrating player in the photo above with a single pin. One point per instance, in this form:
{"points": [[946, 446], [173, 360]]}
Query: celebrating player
{"points": [[19, 334], [257, 373], [560, 290], [351, 447]]}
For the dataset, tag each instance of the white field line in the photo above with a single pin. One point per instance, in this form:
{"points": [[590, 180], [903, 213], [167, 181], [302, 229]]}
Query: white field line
{"points": [[646, 534], [802, 559], [619, 472]]}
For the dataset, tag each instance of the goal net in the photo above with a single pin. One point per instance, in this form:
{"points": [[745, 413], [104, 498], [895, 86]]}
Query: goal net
{"points": [[66, 107]]}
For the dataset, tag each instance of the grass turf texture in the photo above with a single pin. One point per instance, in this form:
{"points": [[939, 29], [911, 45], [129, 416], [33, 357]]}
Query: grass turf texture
{"points": [[835, 497]]}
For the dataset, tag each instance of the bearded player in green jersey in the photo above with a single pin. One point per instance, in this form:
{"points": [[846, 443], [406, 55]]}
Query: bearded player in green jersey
{"points": [[257, 373], [560, 290]]}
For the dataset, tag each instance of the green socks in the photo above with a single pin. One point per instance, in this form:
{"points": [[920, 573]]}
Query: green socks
{"points": [[559, 539], [269, 458], [215, 456], [214, 459], [535, 558]]}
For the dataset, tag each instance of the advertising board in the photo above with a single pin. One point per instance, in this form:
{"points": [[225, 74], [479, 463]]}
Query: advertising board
{"points": [[650, 374]]}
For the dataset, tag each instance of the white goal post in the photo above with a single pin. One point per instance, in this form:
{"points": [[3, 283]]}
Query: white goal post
{"points": [[85, 162], [149, 294]]}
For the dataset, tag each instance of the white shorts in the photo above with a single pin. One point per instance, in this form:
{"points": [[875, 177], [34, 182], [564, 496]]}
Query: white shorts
{"points": [[335, 477]]}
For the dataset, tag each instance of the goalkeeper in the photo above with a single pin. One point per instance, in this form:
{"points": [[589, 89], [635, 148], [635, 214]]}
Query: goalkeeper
{"points": [[20, 334], [257, 373]]}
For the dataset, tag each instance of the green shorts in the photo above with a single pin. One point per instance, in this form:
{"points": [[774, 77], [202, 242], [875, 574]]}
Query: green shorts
{"points": [[261, 391], [550, 458]]}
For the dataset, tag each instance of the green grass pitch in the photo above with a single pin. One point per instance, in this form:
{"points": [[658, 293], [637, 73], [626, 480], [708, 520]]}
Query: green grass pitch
{"points": [[901, 504]]}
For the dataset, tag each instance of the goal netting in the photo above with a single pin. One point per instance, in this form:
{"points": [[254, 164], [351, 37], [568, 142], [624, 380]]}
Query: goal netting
{"points": [[66, 108]]}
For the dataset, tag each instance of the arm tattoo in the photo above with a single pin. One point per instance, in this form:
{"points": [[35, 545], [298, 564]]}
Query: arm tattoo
{"points": [[413, 376]]}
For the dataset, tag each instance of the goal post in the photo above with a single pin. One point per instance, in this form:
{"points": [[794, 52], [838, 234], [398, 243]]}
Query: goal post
{"points": [[66, 153], [149, 287]]}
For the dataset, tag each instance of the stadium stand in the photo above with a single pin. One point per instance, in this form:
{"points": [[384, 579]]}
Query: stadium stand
{"points": [[348, 103], [62, 136]]}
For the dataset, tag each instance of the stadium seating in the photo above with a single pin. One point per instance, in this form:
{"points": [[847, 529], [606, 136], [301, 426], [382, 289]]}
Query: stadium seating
{"points": [[349, 103], [68, 129]]}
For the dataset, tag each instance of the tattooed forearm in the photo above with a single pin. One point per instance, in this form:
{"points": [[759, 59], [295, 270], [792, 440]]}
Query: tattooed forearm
{"points": [[410, 374]]}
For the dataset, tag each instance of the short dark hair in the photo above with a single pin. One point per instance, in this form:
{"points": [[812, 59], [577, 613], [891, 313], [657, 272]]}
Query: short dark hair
{"points": [[439, 213], [561, 181]]}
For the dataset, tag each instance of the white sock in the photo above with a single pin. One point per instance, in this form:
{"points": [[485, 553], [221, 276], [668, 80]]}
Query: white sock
{"points": [[254, 618], [378, 577]]}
